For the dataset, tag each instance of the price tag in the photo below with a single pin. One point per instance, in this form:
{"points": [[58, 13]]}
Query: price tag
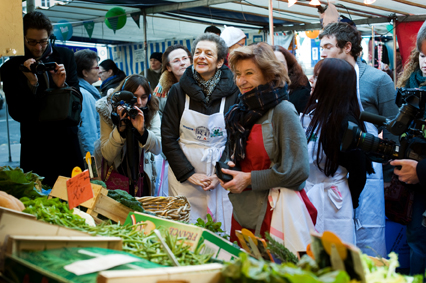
{"points": [[79, 189]]}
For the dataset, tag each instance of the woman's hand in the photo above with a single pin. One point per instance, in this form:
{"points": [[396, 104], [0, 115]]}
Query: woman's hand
{"points": [[199, 179], [213, 180], [139, 121], [123, 115], [240, 180]]}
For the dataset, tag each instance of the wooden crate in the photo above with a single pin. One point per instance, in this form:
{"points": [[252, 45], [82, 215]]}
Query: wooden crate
{"points": [[17, 243], [100, 204], [207, 273]]}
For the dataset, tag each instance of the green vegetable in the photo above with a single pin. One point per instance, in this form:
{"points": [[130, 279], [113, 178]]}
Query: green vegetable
{"points": [[19, 184], [98, 182], [280, 251], [126, 199], [212, 226], [248, 269]]}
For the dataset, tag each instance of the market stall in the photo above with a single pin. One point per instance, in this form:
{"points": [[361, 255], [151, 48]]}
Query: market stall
{"points": [[121, 239]]}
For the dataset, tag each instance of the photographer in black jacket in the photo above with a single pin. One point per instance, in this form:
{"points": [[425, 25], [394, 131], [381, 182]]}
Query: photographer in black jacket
{"points": [[414, 173], [47, 149]]}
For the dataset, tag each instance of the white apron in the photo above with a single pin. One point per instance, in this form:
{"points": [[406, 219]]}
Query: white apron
{"points": [[370, 214], [330, 196], [202, 139]]}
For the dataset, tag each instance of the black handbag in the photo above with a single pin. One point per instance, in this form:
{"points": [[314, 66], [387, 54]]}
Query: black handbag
{"points": [[62, 105]]}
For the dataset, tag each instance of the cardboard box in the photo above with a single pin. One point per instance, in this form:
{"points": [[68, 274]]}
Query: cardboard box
{"points": [[99, 204], [196, 236], [207, 273], [15, 244]]}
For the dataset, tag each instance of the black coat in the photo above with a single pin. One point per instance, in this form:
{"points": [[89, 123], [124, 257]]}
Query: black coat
{"points": [[47, 149], [113, 83], [173, 110]]}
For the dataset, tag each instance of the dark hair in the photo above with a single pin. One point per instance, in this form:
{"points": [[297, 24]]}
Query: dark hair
{"points": [[344, 33], [222, 49], [170, 49], [335, 97], [295, 71], [213, 29], [108, 64], [317, 67], [421, 36], [263, 56], [37, 20], [132, 83], [84, 59]]}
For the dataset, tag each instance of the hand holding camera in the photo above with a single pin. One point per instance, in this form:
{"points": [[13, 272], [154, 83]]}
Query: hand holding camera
{"points": [[124, 105], [31, 68]]}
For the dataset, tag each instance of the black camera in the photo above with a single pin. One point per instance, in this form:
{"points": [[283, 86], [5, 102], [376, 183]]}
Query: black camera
{"points": [[224, 177], [39, 67], [409, 124], [127, 100]]}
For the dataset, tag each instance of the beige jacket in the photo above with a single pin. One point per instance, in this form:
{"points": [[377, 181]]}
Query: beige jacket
{"points": [[112, 147]]}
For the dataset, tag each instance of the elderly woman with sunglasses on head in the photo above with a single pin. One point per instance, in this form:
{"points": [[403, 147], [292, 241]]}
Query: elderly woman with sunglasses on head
{"points": [[267, 142], [193, 129], [112, 151]]}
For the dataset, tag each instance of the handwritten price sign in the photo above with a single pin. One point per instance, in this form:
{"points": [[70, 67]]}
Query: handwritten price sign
{"points": [[79, 189]]}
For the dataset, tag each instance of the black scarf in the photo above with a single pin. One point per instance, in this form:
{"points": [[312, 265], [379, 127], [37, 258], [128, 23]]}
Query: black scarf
{"points": [[242, 116]]}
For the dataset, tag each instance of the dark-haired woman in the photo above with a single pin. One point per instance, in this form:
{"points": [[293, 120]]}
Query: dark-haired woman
{"points": [[335, 103], [176, 59], [193, 130], [299, 88], [111, 76], [112, 147]]}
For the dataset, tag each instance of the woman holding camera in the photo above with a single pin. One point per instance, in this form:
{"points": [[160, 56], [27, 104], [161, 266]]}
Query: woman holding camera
{"points": [[267, 142], [330, 190], [193, 129], [111, 150]]}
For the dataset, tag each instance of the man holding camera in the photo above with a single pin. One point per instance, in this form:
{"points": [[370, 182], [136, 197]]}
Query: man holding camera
{"points": [[47, 149], [414, 173]]}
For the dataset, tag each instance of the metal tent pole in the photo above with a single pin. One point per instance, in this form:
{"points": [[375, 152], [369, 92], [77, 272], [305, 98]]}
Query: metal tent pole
{"points": [[271, 22], [394, 51], [145, 43]]}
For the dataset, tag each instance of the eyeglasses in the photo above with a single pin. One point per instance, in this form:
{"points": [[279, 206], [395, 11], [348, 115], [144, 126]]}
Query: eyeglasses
{"points": [[240, 44], [97, 68], [33, 42], [101, 72]]}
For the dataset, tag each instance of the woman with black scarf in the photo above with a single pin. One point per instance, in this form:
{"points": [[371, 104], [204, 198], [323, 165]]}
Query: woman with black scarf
{"points": [[193, 130], [267, 142]]}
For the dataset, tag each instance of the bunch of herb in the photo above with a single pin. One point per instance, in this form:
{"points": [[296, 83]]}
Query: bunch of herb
{"points": [[280, 251], [212, 226], [126, 199]]}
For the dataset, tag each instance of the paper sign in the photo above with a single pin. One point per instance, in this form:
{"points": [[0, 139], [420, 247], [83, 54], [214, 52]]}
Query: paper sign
{"points": [[79, 189], [105, 262]]}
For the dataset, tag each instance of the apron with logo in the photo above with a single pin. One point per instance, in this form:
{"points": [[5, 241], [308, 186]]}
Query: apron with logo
{"points": [[202, 140]]}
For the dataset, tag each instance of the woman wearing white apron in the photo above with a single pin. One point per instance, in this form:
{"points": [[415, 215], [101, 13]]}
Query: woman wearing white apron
{"points": [[333, 104], [193, 130]]}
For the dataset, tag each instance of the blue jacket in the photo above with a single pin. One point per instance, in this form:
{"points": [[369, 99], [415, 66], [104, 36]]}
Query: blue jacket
{"points": [[89, 129]]}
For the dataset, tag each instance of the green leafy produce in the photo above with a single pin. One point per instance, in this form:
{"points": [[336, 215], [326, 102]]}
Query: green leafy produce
{"points": [[52, 211], [211, 226], [386, 274], [99, 182], [126, 199], [248, 269], [134, 240], [280, 251], [19, 184]]}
